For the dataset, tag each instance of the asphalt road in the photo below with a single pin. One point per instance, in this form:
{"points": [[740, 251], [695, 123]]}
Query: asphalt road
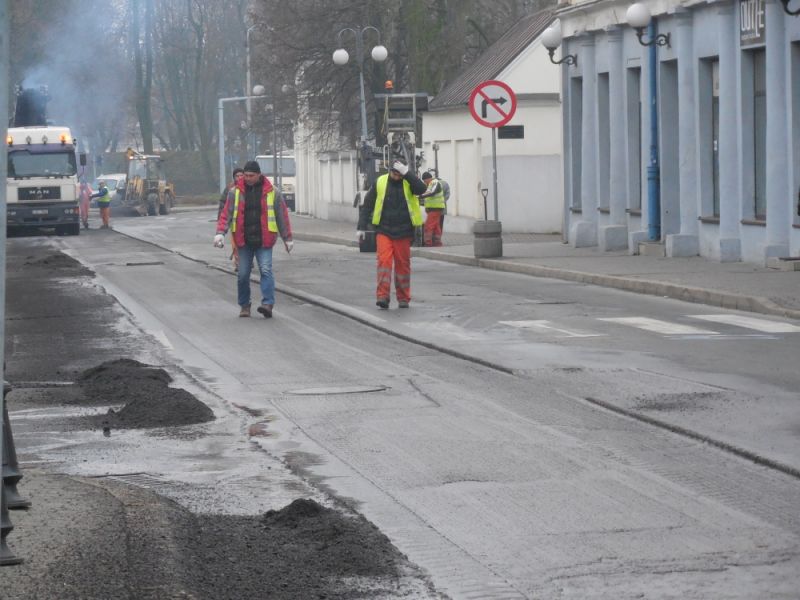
{"points": [[483, 431]]}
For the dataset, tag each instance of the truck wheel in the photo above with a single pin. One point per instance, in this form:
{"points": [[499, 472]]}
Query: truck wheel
{"points": [[152, 204], [74, 229]]}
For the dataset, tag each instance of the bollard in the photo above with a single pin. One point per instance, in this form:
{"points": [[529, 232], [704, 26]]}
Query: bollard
{"points": [[11, 472], [488, 241]]}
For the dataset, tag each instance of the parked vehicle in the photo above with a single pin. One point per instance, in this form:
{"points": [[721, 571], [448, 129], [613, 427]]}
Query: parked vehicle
{"points": [[285, 178], [146, 189]]}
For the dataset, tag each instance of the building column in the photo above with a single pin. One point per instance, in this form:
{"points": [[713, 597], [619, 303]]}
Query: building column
{"points": [[687, 242], [730, 243], [615, 235], [583, 233], [778, 190]]}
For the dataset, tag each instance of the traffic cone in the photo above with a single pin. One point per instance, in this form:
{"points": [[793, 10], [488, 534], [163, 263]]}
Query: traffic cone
{"points": [[11, 472], [7, 557]]}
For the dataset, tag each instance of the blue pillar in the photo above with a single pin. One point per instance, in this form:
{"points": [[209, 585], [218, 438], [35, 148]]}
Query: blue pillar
{"points": [[778, 190], [583, 233], [653, 167]]}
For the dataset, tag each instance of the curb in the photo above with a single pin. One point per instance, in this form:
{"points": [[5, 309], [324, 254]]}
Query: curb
{"points": [[754, 304]]}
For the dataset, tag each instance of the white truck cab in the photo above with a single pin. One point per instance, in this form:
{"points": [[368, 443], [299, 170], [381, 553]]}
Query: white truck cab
{"points": [[42, 188], [285, 177]]}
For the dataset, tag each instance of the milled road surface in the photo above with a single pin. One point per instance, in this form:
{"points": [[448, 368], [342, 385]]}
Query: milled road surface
{"points": [[497, 484], [101, 537]]}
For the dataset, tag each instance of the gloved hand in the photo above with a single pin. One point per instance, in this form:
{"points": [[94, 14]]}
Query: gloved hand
{"points": [[219, 241], [360, 235], [400, 168], [289, 245]]}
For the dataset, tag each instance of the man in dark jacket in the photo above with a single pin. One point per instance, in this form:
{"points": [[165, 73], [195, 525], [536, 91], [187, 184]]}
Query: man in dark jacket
{"points": [[257, 215], [392, 207]]}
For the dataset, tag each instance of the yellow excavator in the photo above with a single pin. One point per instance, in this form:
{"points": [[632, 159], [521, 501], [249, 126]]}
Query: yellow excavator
{"points": [[147, 191]]}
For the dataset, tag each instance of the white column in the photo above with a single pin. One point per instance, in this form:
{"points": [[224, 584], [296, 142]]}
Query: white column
{"points": [[730, 244], [615, 235], [584, 232], [778, 190], [686, 243]]}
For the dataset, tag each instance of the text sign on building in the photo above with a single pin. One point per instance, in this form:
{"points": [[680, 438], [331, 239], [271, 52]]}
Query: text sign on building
{"points": [[752, 30], [492, 103]]}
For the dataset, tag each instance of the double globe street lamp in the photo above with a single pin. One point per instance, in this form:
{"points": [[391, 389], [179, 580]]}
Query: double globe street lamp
{"points": [[341, 56]]}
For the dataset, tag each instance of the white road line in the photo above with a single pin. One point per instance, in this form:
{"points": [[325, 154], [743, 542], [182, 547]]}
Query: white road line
{"points": [[657, 326], [547, 325], [750, 323]]}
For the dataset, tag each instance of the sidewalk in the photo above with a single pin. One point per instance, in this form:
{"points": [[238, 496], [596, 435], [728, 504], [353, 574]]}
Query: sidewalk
{"points": [[742, 286]]}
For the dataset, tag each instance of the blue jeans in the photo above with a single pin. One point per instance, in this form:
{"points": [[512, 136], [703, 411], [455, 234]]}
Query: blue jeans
{"points": [[264, 258]]}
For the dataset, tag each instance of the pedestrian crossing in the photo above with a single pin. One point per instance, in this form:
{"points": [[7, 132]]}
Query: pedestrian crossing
{"points": [[710, 326]]}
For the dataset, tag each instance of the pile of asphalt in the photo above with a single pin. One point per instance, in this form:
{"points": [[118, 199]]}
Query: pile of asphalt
{"points": [[144, 393]]}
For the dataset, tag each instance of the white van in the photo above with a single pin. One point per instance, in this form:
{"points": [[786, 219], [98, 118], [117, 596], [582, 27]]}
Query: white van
{"points": [[286, 174]]}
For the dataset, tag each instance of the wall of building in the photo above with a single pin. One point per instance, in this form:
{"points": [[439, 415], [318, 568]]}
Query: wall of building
{"points": [[706, 76], [530, 185]]}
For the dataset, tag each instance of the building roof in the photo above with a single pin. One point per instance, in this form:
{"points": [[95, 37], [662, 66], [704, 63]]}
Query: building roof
{"points": [[496, 58]]}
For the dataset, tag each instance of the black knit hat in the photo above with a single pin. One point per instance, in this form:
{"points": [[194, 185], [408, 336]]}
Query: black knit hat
{"points": [[427, 175], [251, 166]]}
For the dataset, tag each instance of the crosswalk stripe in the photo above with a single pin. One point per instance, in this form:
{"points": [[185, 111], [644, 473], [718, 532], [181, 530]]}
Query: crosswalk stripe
{"points": [[750, 323], [657, 326], [542, 324]]}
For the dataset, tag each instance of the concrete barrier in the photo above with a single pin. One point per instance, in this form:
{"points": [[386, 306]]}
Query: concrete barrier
{"points": [[488, 242]]}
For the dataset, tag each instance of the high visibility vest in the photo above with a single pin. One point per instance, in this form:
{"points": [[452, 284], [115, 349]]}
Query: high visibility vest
{"points": [[437, 200], [272, 224], [411, 200], [105, 198]]}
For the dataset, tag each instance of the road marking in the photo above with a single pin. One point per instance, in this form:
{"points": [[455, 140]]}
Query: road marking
{"points": [[750, 323], [541, 324], [657, 326]]}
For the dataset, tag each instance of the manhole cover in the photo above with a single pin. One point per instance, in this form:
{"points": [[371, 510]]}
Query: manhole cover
{"points": [[327, 391]]}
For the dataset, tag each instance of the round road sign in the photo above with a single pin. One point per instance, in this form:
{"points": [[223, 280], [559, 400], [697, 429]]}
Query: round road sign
{"points": [[492, 103]]}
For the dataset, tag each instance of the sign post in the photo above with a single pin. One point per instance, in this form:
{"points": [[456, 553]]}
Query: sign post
{"points": [[492, 104]]}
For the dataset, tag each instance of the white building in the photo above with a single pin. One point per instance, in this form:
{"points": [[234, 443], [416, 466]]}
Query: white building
{"points": [[727, 112], [530, 181]]}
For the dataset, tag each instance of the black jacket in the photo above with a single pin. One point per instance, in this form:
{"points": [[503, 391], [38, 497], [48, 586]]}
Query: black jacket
{"points": [[395, 218]]}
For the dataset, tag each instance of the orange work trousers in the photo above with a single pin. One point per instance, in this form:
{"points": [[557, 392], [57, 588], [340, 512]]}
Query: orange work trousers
{"points": [[105, 214], [394, 254], [432, 232]]}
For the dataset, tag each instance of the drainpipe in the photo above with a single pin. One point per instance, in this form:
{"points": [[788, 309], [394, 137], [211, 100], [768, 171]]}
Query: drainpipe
{"points": [[653, 169]]}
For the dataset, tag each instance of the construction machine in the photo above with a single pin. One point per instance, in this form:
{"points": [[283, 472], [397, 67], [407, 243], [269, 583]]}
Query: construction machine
{"points": [[147, 190]]}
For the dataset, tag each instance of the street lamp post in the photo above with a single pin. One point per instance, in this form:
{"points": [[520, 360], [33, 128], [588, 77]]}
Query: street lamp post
{"points": [[341, 56], [247, 83], [258, 92]]}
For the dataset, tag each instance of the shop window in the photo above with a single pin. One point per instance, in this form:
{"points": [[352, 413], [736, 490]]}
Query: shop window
{"points": [[576, 122], [634, 137], [604, 141], [758, 58]]}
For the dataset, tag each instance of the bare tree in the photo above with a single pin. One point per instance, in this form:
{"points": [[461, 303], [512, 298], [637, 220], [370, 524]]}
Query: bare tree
{"points": [[142, 44]]}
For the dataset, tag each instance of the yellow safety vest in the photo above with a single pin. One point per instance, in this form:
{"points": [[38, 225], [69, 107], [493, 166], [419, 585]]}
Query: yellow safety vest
{"points": [[437, 200], [411, 200], [272, 224]]}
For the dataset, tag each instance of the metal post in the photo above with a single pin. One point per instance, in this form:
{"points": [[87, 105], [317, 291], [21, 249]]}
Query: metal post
{"points": [[222, 178], [6, 556], [248, 90], [494, 170], [653, 169], [436, 158], [220, 105], [274, 144]]}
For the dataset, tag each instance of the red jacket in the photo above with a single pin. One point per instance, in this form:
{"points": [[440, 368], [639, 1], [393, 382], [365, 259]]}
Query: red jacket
{"points": [[268, 237]]}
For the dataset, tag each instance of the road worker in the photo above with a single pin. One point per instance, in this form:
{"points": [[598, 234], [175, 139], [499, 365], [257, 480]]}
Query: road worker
{"points": [[434, 207], [257, 215], [392, 207], [103, 196]]}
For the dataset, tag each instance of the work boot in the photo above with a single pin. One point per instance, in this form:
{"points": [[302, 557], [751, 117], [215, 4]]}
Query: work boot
{"points": [[382, 303], [266, 310], [86, 224], [402, 304], [245, 311]]}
